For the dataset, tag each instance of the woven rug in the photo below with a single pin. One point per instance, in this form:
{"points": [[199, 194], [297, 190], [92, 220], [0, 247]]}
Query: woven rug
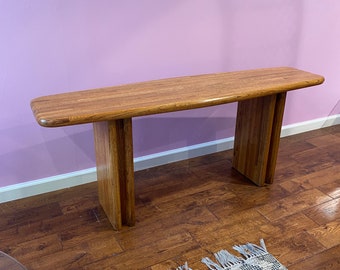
{"points": [[253, 258]]}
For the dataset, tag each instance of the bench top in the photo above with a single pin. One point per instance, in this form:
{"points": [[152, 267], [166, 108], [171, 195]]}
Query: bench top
{"points": [[166, 95]]}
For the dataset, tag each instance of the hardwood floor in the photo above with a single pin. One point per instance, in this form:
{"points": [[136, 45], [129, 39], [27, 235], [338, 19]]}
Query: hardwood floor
{"points": [[187, 210]]}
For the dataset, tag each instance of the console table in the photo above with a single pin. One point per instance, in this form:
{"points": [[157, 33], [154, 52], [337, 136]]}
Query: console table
{"points": [[260, 94]]}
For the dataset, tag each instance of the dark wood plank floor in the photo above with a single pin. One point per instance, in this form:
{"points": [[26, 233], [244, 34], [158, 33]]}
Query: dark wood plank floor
{"points": [[187, 210]]}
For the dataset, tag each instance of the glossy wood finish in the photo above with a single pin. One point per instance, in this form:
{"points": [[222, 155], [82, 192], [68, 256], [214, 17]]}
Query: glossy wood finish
{"points": [[275, 137], [257, 137], [260, 94], [188, 209], [115, 173], [167, 95]]}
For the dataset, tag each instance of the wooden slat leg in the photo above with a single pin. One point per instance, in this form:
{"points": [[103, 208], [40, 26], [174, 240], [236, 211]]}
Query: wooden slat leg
{"points": [[115, 173], [275, 138], [257, 137]]}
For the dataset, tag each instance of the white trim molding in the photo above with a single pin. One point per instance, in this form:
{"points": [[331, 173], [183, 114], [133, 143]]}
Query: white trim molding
{"points": [[53, 183], [310, 125]]}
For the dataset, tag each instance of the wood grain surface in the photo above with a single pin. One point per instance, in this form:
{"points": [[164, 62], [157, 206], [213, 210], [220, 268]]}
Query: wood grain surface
{"points": [[115, 172], [166, 95]]}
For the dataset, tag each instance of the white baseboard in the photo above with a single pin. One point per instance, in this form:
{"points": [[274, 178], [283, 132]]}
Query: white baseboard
{"points": [[48, 184], [53, 183], [310, 125]]}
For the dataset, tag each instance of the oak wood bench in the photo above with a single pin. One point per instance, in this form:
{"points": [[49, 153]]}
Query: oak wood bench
{"points": [[260, 94]]}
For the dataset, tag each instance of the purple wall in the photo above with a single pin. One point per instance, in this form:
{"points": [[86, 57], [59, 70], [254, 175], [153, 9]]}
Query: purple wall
{"points": [[51, 46]]}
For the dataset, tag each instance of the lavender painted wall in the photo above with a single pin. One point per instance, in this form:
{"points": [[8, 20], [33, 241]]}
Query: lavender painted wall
{"points": [[51, 46]]}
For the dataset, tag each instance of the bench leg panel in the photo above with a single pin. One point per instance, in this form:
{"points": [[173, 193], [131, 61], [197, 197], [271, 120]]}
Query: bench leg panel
{"points": [[115, 172], [257, 137], [275, 138]]}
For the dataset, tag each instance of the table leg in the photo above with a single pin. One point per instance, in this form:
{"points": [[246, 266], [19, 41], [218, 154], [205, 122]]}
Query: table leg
{"points": [[257, 137], [115, 172]]}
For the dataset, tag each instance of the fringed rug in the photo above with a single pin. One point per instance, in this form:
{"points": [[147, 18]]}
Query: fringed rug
{"points": [[254, 258]]}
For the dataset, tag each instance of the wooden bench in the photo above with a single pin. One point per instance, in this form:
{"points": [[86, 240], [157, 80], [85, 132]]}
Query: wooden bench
{"points": [[260, 94]]}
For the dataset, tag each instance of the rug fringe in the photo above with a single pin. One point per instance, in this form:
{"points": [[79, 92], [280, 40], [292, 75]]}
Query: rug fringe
{"points": [[251, 250], [254, 257], [184, 267]]}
